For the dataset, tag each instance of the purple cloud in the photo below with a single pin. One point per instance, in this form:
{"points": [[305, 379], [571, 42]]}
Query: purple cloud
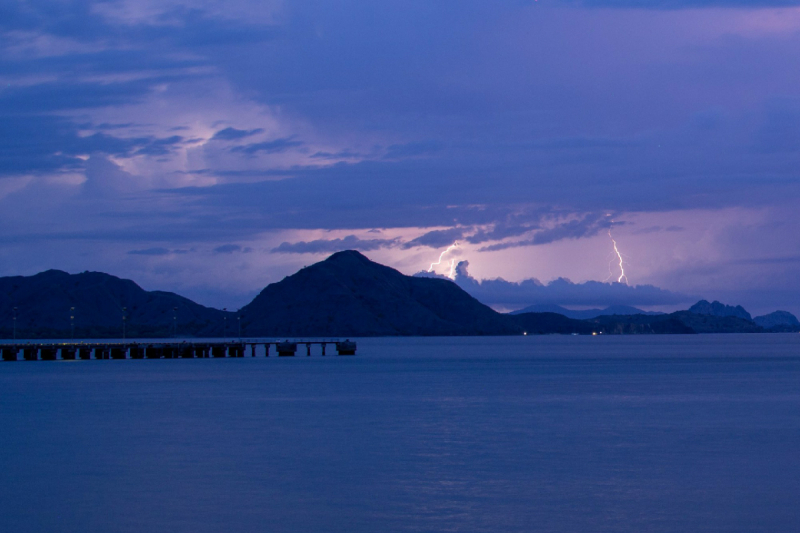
{"points": [[499, 292], [350, 242]]}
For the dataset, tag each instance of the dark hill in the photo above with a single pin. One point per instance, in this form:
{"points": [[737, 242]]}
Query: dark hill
{"points": [[349, 295], [548, 323], [782, 320], [703, 307], [43, 303], [585, 314], [704, 323], [641, 324], [678, 322]]}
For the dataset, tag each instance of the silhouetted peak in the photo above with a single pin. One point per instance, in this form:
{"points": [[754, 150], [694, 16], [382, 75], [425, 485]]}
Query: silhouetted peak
{"points": [[777, 318], [52, 273], [348, 256], [716, 308]]}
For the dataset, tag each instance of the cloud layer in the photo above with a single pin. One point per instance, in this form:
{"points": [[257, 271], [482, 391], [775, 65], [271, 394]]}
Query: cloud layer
{"points": [[516, 295], [519, 129]]}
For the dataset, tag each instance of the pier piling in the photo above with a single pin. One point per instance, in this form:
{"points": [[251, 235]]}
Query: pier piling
{"points": [[185, 351], [154, 352], [30, 353], [10, 353]]}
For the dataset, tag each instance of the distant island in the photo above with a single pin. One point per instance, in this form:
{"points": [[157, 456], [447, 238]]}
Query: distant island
{"points": [[346, 295]]}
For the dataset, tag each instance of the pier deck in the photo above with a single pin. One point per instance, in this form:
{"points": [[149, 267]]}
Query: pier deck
{"points": [[188, 349]]}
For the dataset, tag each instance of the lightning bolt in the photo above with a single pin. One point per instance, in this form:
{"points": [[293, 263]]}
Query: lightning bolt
{"points": [[610, 271], [621, 262], [452, 262]]}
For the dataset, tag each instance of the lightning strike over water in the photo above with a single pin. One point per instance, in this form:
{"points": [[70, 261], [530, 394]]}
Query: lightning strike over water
{"points": [[621, 262], [450, 248]]}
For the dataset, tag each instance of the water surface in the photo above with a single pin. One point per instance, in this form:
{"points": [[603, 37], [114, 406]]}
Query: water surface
{"points": [[551, 434]]}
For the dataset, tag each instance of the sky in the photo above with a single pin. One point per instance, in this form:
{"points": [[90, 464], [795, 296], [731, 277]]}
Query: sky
{"points": [[210, 148]]}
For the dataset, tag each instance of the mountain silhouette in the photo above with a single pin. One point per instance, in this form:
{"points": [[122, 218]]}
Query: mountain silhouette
{"points": [[44, 305], [349, 295], [585, 314], [345, 295], [716, 308], [778, 320]]}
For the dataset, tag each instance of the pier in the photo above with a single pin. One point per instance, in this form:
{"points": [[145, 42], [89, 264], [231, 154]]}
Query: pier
{"points": [[72, 351]]}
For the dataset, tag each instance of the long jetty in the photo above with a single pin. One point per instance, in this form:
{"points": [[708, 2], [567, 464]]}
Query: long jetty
{"points": [[51, 350]]}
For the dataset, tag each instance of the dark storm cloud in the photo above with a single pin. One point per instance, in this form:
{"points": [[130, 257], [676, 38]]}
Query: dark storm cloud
{"points": [[350, 242], [449, 114], [135, 59], [339, 75], [269, 147], [657, 229], [105, 126], [342, 154], [232, 134], [51, 143], [35, 136], [414, 193], [176, 26], [499, 232], [159, 146], [561, 291], [344, 196], [62, 96], [436, 238], [588, 226]]}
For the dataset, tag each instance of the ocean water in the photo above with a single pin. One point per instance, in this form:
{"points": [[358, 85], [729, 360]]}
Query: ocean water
{"points": [[548, 434]]}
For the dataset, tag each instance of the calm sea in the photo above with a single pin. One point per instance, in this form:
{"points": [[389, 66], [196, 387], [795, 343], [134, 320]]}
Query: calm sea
{"points": [[547, 434]]}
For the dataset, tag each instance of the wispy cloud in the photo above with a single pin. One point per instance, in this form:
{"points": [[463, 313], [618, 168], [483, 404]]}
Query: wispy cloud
{"points": [[350, 242], [151, 251], [233, 134], [268, 147], [436, 238], [587, 226]]}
